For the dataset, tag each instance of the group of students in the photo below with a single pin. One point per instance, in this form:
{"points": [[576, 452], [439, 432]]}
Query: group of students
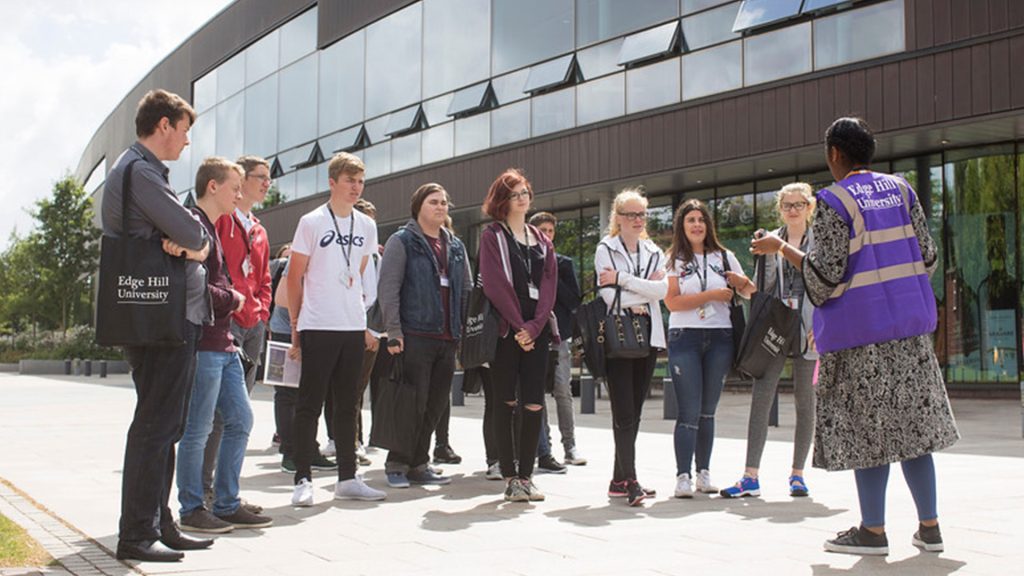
{"points": [[858, 275]]}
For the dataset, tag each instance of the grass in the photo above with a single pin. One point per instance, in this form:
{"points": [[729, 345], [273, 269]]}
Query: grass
{"points": [[18, 549]]}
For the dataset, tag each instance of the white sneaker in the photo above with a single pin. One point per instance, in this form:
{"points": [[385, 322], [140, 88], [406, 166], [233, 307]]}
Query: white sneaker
{"points": [[684, 487], [573, 456], [493, 472], [303, 494], [360, 449], [329, 450], [356, 489], [704, 484]]}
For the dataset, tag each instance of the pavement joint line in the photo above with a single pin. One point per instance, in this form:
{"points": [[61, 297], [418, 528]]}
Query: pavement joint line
{"points": [[69, 546]]}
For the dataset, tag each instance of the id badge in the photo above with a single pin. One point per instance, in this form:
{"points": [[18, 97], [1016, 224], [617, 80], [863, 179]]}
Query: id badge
{"points": [[534, 292], [707, 312], [444, 281], [347, 280], [246, 266], [793, 303]]}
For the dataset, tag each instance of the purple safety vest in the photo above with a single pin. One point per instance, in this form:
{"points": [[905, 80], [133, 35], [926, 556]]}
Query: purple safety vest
{"points": [[885, 293]]}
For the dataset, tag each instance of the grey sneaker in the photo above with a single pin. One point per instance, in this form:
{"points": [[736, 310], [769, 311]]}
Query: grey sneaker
{"points": [[202, 520], [574, 458], [243, 518], [493, 472], [515, 491], [928, 538], [427, 476], [532, 491], [356, 489], [303, 493]]}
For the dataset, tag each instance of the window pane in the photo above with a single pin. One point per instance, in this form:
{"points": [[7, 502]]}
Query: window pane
{"points": [[298, 37], [509, 88], [528, 31], [376, 128], [713, 70], [710, 27], [341, 83], [297, 106], [734, 219], [261, 117], [649, 43], [378, 160], [438, 143], [404, 120], [203, 136], [601, 99], [778, 54], [456, 43], [262, 57], [652, 86], [231, 135], [290, 159], [598, 20], [181, 175], [346, 139], [553, 112], [405, 152], [812, 5], [472, 134], [760, 12], [691, 6], [859, 34], [600, 60], [436, 109], [204, 92], [286, 184], [393, 61], [467, 100], [230, 77], [549, 74], [510, 123], [305, 182]]}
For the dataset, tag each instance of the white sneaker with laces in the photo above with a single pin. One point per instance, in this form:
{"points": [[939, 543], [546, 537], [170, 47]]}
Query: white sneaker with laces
{"points": [[493, 472], [330, 449], [356, 489], [573, 456], [704, 484], [360, 449], [303, 494], [684, 486]]}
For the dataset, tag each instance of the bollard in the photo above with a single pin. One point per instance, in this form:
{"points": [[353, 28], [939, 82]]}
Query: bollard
{"points": [[458, 398], [669, 406], [103, 368], [588, 404], [78, 366], [88, 367], [773, 415], [67, 367]]}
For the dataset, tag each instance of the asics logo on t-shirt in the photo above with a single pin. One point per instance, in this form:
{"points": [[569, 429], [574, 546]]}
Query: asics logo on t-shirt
{"points": [[343, 240]]}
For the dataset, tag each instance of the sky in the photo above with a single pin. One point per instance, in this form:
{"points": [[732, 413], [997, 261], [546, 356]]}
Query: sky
{"points": [[66, 64]]}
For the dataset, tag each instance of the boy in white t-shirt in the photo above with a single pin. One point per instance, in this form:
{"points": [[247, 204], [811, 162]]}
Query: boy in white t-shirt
{"points": [[331, 248]]}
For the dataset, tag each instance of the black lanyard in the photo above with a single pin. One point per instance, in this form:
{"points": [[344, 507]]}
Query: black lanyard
{"points": [[351, 229], [526, 254], [630, 260], [703, 279]]}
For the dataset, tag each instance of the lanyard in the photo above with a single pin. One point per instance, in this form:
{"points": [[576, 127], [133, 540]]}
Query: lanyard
{"points": [[526, 254], [351, 228], [703, 279]]}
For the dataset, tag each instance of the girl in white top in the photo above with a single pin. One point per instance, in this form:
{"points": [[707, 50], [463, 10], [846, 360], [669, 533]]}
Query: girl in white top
{"points": [[628, 259], [701, 277]]}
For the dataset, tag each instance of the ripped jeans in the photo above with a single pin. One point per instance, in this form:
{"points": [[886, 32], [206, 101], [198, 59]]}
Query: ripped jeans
{"points": [[699, 359]]}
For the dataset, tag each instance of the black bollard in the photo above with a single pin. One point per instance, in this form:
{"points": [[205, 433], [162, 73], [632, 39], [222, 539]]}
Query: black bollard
{"points": [[88, 367], [67, 367], [103, 368], [588, 390]]}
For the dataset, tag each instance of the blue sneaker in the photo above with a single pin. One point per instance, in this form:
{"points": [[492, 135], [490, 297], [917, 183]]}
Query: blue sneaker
{"points": [[747, 486], [427, 476], [397, 480], [797, 486]]}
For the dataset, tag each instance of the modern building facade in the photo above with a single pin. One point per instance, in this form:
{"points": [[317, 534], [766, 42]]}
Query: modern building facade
{"points": [[714, 99]]}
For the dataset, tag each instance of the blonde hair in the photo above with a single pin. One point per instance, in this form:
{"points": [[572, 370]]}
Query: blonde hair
{"points": [[215, 169], [621, 198], [344, 163], [802, 188]]}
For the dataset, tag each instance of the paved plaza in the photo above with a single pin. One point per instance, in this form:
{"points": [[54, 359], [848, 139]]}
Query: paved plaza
{"points": [[63, 441]]}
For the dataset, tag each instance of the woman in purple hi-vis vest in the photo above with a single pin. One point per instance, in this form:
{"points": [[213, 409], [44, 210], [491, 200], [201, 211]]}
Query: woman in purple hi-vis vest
{"points": [[881, 395]]}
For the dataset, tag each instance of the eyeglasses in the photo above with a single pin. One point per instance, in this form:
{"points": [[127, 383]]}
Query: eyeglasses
{"points": [[260, 177], [517, 195], [787, 206], [633, 215]]}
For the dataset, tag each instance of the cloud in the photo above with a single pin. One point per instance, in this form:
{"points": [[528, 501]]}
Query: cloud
{"points": [[66, 66]]}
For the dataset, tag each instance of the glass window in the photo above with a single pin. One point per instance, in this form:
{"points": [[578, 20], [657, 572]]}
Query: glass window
{"points": [[296, 157], [551, 74], [754, 13], [261, 59], [528, 31], [456, 43], [438, 143], [261, 117], [376, 128], [691, 6], [816, 5], [405, 152], [472, 99], [713, 70], [510, 123], [298, 37], [472, 133], [659, 220], [600, 60], [553, 112], [322, 176], [598, 20], [601, 99], [407, 120], [341, 83], [181, 174], [734, 221], [305, 182], [778, 54], [230, 77], [296, 111], [350, 139], [393, 62], [509, 88], [204, 92], [231, 131], [710, 27], [98, 175], [436, 109], [649, 44], [378, 160], [203, 137], [860, 34], [286, 185], [652, 86]]}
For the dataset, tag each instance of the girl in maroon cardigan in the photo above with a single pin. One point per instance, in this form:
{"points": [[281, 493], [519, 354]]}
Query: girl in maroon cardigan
{"points": [[520, 276]]}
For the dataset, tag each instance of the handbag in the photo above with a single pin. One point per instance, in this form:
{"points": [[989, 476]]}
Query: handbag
{"points": [[395, 413], [589, 317], [141, 294], [480, 337], [736, 316], [625, 335], [770, 332]]}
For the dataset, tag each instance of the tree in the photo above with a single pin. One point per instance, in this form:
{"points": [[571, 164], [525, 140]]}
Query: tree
{"points": [[20, 300], [273, 198]]}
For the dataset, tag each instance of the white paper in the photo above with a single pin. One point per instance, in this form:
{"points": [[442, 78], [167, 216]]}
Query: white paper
{"points": [[279, 368]]}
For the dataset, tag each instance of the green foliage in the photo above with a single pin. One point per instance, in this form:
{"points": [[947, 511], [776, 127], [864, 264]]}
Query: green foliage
{"points": [[273, 198], [77, 342], [18, 549]]}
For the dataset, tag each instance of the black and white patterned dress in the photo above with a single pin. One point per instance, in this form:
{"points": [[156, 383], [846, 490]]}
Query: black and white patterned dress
{"points": [[878, 403]]}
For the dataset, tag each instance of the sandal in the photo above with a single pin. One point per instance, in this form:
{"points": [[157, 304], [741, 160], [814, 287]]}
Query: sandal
{"points": [[797, 487]]}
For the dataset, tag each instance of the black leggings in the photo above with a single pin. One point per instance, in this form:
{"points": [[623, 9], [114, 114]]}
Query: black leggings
{"points": [[628, 382], [518, 377]]}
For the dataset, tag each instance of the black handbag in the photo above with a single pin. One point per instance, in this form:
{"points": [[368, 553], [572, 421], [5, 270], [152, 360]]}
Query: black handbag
{"points": [[589, 316], [736, 316], [395, 412], [480, 337], [141, 294], [771, 331], [625, 334]]}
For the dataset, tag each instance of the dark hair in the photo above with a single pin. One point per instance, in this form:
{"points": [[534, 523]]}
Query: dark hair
{"points": [[496, 203], [420, 195], [543, 218], [159, 104], [681, 249], [854, 138], [249, 163]]}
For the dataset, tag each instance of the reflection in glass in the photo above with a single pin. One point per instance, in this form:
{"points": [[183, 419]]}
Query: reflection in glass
{"points": [[691, 6], [376, 128], [341, 83], [601, 99], [286, 185], [456, 44], [777, 54], [393, 62], [297, 106], [262, 57], [713, 70], [551, 74], [860, 34], [298, 37], [305, 182], [598, 20], [734, 218], [659, 220], [405, 152], [600, 60], [231, 76], [436, 109], [553, 112], [346, 140], [377, 159], [204, 92], [509, 88], [231, 134], [473, 99], [203, 137], [180, 175], [472, 133], [296, 157], [652, 86], [754, 13], [261, 117], [510, 123], [438, 143], [528, 31], [406, 120], [766, 208], [649, 44], [710, 27], [815, 5]]}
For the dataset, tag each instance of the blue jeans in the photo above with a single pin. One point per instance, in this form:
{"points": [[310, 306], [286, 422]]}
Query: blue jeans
{"points": [[219, 387], [699, 359]]}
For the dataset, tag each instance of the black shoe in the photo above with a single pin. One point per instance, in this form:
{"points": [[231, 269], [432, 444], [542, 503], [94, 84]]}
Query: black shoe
{"points": [[634, 493], [147, 551], [445, 455], [320, 462], [550, 465], [174, 539], [859, 541], [928, 538]]}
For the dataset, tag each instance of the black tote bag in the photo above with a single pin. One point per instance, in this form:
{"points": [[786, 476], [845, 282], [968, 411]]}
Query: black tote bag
{"points": [[480, 336], [141, 295], [589, 317], [625, 334], [770, 333], [395, 414]]}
